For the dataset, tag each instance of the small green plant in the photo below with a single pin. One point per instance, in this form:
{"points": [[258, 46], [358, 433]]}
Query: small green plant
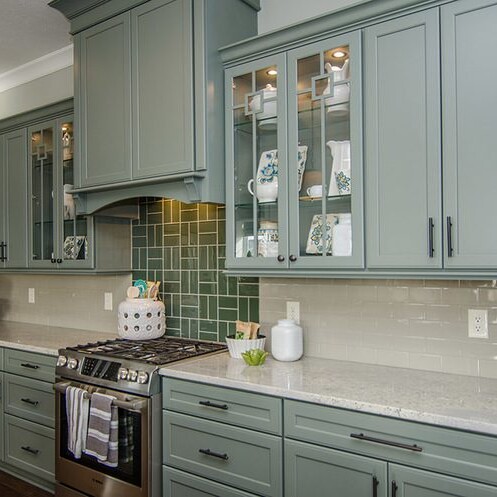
{"points": [[255, 357]]}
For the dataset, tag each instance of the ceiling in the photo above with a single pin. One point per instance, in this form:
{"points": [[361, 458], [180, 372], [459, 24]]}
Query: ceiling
{"points": [[29, 29]]}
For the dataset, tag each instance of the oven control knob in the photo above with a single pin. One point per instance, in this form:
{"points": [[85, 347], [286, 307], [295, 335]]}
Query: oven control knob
{"points": [[72, 363], [132, 375], [142, 377], [61, 361], [122, 374]]}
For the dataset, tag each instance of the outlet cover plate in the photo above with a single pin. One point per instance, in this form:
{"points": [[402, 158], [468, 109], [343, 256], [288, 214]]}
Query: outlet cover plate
{"points": [[107, 301], [477, 323], [293, 311]]}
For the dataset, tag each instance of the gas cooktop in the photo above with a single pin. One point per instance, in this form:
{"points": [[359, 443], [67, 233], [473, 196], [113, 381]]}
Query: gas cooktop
{"points": [[129, 365]]}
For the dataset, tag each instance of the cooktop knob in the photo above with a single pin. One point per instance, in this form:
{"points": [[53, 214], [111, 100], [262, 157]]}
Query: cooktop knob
{"points": [[132, 375], [142, 377], [72, 363], [61, 361], [122, 373]]}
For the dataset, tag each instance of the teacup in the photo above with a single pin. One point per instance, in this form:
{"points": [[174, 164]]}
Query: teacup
{"points": [[315, 191], [265, 192]]}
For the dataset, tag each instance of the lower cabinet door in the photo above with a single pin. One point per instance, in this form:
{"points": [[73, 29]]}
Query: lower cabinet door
{"points": [[312, 471], [409, 482], [180, 484]]}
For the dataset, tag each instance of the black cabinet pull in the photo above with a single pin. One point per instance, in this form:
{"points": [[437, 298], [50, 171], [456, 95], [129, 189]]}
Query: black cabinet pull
{"points": [[293, 258], [53, 260], [375, 486], [209, 452], [394, 488], [431, 248], [59, 261], [3, 256], [30, 402], [398, 445], [450, 248], [208, 403], [27, 448], [29, 366], [280, 258]]}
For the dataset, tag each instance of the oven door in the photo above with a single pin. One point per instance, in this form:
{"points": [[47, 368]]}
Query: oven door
{"points": [[87, 475]]}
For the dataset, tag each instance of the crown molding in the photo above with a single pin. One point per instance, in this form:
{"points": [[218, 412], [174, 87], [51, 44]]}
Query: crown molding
{"points": [[37, 68]]}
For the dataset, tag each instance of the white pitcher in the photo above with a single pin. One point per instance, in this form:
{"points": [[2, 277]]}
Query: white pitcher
{"points": [[339, 102]]}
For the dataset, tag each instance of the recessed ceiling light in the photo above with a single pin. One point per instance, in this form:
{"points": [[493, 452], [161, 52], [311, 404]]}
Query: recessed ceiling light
{"points": [[338, 54], [272, 72]]}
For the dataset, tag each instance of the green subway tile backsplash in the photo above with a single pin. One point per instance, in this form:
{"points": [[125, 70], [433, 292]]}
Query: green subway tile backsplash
{"points": [[183, 246]]}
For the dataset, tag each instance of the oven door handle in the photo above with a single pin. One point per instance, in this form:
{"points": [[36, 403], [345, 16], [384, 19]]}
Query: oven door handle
{"points": [[137, 405]]}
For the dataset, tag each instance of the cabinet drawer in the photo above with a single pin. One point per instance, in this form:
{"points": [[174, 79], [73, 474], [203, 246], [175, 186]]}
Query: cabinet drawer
{"points": [[180, 484], [30, 447], [241, 458], [30, 399], [234, 407], [415, 444], [38, 366]]}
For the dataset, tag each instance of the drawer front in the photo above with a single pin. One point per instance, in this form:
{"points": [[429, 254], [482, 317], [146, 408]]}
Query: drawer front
{"points": [[442, 449], [2, 431], [234, 407], [37, 366], [1, 359], [30, 399], [30, 447], [227, 454], [180, 484]]}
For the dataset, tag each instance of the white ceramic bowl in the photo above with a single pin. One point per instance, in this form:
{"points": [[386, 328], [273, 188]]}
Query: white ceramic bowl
{"points": [[236, 347]]}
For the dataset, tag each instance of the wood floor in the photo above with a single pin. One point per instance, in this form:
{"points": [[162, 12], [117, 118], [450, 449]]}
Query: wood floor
{"points": [[13, 487]]}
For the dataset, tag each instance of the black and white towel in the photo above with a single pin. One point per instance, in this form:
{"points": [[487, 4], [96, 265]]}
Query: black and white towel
{"points": [[77, 408], [102, 440]]}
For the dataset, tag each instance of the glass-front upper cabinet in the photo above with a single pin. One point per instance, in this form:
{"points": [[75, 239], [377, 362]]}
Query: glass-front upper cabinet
{"points": [[325, 151], [256, 164], [59, 235]]}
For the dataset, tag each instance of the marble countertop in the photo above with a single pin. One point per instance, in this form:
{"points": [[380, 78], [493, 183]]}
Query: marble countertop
{"points": [[45, 339], [454, 401]]}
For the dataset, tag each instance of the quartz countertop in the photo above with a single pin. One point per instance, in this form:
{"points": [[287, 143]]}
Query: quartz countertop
{"points": [[45, 339], [454, 401]]}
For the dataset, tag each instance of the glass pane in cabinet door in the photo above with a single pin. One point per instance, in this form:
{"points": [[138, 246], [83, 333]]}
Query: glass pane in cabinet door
{"points": [[75, 226], [256, 164], [325, 218], [42, 213]]}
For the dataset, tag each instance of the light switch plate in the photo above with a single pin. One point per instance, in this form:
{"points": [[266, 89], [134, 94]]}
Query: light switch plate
{"points": [[31, 296]]}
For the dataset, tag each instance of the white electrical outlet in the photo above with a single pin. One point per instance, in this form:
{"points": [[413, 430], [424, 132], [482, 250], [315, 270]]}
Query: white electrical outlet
{"points": [[108, 301], [293, 311], [477, 323], [31, 296]]}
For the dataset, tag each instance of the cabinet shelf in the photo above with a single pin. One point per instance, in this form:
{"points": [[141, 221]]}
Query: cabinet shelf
{"points": [[304, 201]]}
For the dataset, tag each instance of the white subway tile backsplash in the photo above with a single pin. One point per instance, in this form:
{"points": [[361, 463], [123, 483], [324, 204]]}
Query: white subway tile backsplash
{"points": [[403, 323]]}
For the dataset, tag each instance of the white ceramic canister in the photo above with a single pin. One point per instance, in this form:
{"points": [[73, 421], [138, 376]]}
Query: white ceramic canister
{"points": [[141, 319], [287, 340]]}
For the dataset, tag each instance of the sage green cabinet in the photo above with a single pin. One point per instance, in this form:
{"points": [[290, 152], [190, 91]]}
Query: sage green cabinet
{"points": [[469, 102], [402, 142], [312, 471], [14, 190], [410, 482]]}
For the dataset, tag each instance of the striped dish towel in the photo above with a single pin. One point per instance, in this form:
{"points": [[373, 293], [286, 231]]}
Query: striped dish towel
{"points": [[77, 407], [102, 437]]}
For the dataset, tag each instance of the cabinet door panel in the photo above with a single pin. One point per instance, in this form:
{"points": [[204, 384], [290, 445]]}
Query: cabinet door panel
{"points": [[313, 471], [105, 101], [416, 483], [469, 44], [162, 88], [3, 213], [402, 140], [16, 193]]}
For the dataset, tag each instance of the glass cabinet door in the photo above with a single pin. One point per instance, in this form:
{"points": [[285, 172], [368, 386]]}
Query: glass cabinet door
{"points": [[324, 115], [41, 174], [256, 164], [74, 237]]}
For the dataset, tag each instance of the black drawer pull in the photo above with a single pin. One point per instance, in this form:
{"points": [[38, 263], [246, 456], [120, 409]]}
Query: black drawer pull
{"points": [[209, 452], [431, 248], [361, 436], [30, 366], [394, 488], [208, 403], [450, 248], [31, 402], [375, 486], [30, 450]]}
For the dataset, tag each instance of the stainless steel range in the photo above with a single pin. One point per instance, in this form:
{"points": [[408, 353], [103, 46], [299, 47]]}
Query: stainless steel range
{"points": [[127, 370]]}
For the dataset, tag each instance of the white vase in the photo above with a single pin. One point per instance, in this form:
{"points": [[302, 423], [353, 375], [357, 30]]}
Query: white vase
{"points": [[141, 319], [287, 340]]}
